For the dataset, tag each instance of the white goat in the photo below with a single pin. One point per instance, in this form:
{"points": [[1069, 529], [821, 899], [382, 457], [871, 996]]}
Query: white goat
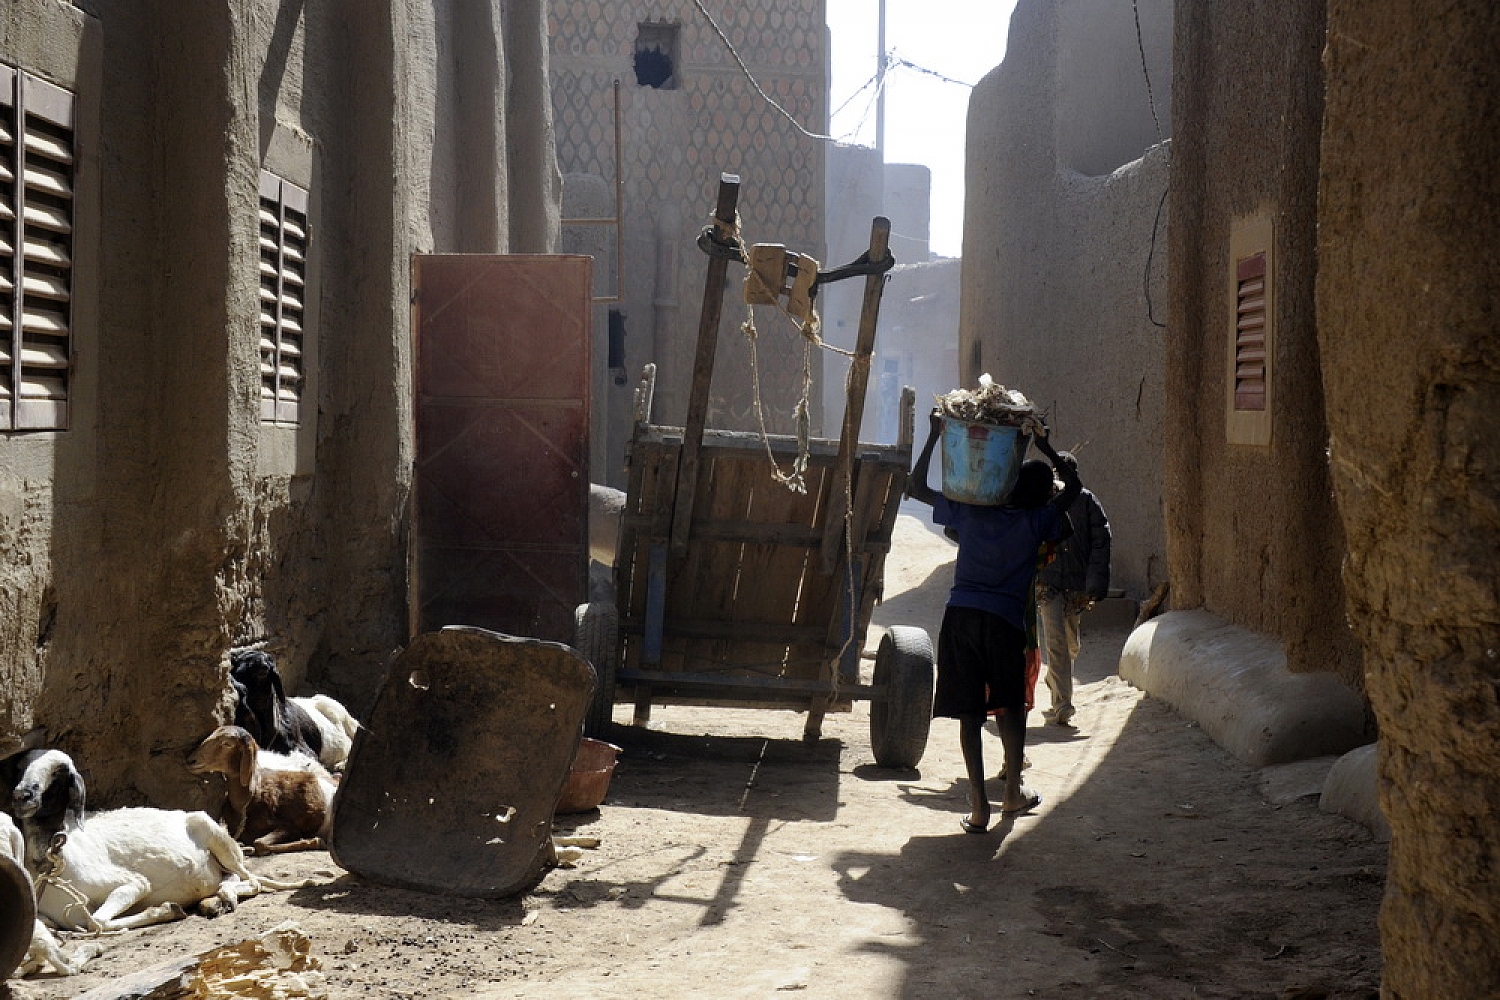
{"points": [[45, 949], [126, 867], [337, 726], [274, 802]]}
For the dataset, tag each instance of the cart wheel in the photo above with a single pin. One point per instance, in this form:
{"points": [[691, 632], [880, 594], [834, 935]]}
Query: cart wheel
{"points": [[17, 916], [901, 714], [596, 629]]}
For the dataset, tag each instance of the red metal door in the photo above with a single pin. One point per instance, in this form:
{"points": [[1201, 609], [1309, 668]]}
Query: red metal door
{"points": [[501, 346]]}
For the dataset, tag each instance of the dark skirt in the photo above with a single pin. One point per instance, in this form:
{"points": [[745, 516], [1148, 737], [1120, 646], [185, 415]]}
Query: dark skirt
{"points": [[981, 665]]}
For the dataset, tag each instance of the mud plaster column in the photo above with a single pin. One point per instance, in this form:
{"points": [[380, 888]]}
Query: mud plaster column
{"points": [[365, 427], [181, 521], [1409, 244]]}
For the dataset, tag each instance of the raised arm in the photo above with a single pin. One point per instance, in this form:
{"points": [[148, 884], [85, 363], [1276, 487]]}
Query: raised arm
{"points": [[1066, 471], [916, 483]]}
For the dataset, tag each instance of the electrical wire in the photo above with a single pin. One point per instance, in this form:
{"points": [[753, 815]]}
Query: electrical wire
{"points": [[892, 59], [749, 76], [870, 107], [857, 92]]}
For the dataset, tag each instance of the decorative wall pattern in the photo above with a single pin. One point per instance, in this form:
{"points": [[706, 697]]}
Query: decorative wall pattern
{"points": [[675, 144]]}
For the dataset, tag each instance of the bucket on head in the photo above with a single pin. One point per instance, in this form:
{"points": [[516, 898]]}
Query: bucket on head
{"points": [[981, 461]]}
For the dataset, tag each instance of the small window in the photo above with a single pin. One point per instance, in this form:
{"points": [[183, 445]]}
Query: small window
{"points": [[283, 299], [1250, 333], [1249, 377], [656, 51], [36, 252]]}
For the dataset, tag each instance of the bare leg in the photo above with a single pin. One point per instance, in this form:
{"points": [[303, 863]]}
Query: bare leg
{"points": [[970, 731], [1012, 725]]}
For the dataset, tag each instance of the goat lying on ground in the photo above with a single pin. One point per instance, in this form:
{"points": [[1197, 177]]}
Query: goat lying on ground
{"points": [[126, 867], [336, 726], [275, 802], [318, 726], [45, 949]]}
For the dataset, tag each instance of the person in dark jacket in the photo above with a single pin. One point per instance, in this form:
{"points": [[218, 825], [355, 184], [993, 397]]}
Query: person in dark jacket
{"points": [[1073, 582]]}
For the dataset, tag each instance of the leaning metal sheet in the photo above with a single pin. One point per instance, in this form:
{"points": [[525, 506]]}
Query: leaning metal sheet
{"points": [[453, 779]]}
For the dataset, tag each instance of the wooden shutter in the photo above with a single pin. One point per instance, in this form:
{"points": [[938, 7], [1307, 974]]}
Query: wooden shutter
{"points": [[10, 375], [36, 244], [1250, 333], [36, 251], [283, 297]]}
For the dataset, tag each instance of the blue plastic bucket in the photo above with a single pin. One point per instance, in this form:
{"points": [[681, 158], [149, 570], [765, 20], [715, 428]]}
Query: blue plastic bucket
{"points": [[981, 461]]}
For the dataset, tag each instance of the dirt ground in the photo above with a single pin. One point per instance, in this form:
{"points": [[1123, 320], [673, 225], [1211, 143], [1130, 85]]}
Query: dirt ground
{"points": [[737, 861]]}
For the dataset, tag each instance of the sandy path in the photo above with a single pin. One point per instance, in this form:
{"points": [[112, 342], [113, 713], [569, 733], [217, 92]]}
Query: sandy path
{"points": [[737, 861]]}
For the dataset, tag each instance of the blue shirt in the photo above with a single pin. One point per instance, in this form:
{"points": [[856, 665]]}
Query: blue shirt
{"points": [[997, 554]]}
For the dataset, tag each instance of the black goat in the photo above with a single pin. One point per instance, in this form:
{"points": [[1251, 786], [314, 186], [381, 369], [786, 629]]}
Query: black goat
{"points": [[263, 710]]}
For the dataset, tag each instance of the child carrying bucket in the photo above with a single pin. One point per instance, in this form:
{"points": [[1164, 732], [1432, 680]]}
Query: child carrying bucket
{"points": [[1001, 519]]}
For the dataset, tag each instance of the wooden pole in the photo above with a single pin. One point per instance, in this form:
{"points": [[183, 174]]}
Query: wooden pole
{"points": [[854, 405], [703, 364]]}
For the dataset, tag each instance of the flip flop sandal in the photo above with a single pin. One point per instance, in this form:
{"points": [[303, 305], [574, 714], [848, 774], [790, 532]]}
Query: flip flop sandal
{"points": [[972, 827], [1032, 801]]}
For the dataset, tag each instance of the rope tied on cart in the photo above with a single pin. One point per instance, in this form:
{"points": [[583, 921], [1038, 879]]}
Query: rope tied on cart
{"points": [[711, 243], [793, 480], [727, 242]]}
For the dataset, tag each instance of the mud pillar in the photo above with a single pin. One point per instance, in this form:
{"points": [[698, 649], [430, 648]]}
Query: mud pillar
{"points": [[1409, 247]]}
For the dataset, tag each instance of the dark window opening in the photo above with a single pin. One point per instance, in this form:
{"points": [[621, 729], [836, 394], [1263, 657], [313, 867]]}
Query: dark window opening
{"points": [[617, 346], [656, 56]]}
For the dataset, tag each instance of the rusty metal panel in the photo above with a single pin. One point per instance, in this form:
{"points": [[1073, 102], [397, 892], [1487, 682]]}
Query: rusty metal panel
{"points": [[502, 415], [455, 774]]}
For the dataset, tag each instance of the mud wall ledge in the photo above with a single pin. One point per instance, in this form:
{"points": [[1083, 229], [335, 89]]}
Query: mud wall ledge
{"points": [[1236, 685]]}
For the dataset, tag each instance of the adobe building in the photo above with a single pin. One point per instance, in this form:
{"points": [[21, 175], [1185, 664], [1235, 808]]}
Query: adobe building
{"points": [[1326, 396], [205, 362], [1331, 397], [1064, 254], [1408, 240], [687, 113]]}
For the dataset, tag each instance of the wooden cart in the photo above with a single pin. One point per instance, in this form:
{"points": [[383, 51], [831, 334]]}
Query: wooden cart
{"points": [[734, 590]]}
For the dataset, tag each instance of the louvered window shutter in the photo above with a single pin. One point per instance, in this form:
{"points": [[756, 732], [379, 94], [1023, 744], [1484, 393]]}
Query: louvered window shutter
{"points": [[283, 297], [36, 251], [1250, 333]]}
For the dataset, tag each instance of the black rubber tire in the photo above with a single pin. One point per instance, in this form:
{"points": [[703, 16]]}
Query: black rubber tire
{"points": [[901, 712], [596, 630], [17, 916]]}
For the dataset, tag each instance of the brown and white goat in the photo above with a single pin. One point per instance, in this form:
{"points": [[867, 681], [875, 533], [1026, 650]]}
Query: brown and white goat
{"points": [[275, 802]]}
